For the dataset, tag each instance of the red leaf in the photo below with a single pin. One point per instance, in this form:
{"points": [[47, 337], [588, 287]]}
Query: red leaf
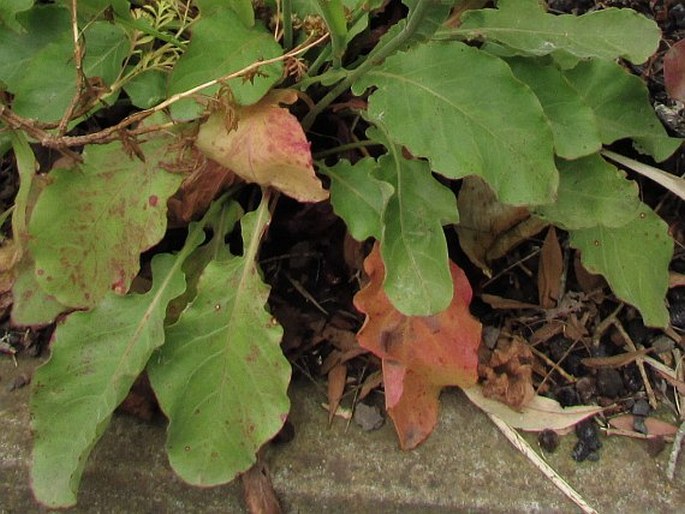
{"points": [[674, 71], [420, 354]]}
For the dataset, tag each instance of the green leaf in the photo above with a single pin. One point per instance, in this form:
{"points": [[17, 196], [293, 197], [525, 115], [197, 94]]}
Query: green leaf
{"points": [[465, 112], [42, 25], [91, 223], [573, 123], [243, 8], [413, 245], [221, 377], [221, 45], [524, 26], [9, 10], [147, 88], [31, 306], [43, 78], [357, 197], [592, 192], [96, 356], [621, 104], [634, 259]]}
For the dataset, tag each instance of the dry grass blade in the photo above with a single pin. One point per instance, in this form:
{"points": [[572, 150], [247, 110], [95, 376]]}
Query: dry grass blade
{"points": [[521, 445], [674, 184]]}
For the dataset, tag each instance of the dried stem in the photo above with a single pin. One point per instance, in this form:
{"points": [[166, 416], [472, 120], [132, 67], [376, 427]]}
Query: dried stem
{"points": [[78, 64], [62, 142]]}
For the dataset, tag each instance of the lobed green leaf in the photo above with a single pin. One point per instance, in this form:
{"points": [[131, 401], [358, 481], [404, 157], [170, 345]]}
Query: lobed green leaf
{"points": [[634, 259], [573, 123], [592, 192], [466, 112], [95, 358], [357, 197], [413, 245], [221, 44], [37, 65], [524, 26], [221, 377], [621, 105]]}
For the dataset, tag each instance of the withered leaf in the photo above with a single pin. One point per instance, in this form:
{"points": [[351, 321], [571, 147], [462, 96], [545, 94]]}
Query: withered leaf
{"points": [[267, 146], [420, 354]]}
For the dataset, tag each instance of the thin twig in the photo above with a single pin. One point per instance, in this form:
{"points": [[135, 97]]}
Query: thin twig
{"points": [[521, 445], [111, 133], [675, 451], [640, 364], [78, 64]]}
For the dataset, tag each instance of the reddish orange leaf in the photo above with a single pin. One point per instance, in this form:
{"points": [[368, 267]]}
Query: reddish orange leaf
{"points": [[420, 354]]}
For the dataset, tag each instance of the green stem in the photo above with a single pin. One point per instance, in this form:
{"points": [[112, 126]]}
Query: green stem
{"points": [[376, 57], [344, 148], [287, 7]]}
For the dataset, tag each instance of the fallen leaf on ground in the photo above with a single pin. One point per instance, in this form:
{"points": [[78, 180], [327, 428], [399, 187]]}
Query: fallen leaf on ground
{"points": [[539, 414], [674, 71], [336, 387], [266, 145], [550, 271], [484, 220], [508, 372], [258, 491], [655, 427], [420, 354]]}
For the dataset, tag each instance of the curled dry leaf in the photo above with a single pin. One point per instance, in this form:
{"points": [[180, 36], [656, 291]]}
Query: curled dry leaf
{"points": [[420, 354], [550, 271], [539, 414], [206, 180], [508, 373], [267, 146], [484, 220]]}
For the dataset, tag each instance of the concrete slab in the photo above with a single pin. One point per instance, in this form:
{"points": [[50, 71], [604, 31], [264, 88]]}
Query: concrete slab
{"points": [[466, 466]]}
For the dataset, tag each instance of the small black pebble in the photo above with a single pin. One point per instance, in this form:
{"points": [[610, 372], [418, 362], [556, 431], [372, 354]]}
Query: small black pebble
{"points": [[580, 452], [593, 456], [609, 382], [548, 440], [588, 432], [567, 396], [677, 15], [586, 389], [632, 379], [641, 408], [639, 424]]}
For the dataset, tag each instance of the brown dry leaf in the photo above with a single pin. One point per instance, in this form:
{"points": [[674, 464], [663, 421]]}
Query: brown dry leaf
{"points": [[497, 302], [483, 219], [615, 361], [674, 71], [655, 427], [550, 271], [336, 387], [420, 354], [547, 332], [198, 190], [541, 413], [676, 279], [258, 491], [587, 281], [267, 146], [508, 373]]}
